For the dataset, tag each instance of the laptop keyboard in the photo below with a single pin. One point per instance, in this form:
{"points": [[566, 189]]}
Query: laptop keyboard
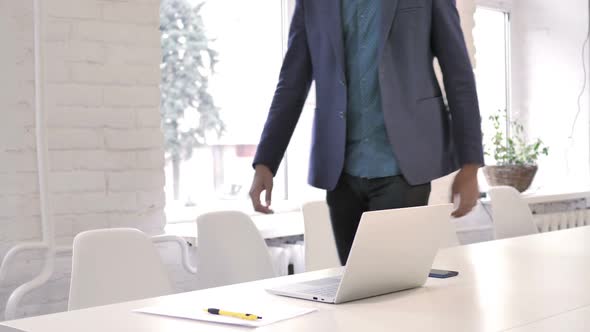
{"points": [[327, 291], [326, 287]]}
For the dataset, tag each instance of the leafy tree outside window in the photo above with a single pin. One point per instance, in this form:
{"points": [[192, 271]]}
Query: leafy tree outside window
{"points": [[187, 63]]}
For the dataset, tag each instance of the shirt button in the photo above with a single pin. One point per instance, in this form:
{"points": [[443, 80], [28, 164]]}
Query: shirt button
{"points": [[342, 83], [341, 114]]}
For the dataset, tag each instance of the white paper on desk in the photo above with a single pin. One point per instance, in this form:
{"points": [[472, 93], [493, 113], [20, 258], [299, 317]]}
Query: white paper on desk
{"points": [[269, 314]]}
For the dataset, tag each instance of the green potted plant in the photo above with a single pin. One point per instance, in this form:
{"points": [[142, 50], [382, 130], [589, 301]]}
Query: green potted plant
{"points": [[516, 160]]}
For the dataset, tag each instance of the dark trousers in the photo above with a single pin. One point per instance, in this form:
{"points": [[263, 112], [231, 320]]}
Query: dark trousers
{"points": [[353, 196]]}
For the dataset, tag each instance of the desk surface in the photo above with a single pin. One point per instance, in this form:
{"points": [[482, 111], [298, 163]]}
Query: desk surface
{"points": [[543, 196], [508, 284], [286, 224], [548, 196], [270, 226], [575, 320]]}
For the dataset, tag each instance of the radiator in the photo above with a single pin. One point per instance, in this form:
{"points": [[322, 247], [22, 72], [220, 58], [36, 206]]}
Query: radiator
{"points": [[287, 258], [554, 221]]}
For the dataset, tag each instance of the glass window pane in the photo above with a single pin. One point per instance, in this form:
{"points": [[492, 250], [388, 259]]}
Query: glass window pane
{"points": [[490, 37], [247, 38]]}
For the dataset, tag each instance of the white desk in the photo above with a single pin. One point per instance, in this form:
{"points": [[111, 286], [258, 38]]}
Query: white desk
{"points": [[270, 226], [478, 226], [475, 227], [503, 285], [544, 196], [575, 320]]}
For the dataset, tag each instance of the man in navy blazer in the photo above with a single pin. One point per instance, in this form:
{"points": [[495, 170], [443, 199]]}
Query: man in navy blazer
{"points": [[382, 131]]}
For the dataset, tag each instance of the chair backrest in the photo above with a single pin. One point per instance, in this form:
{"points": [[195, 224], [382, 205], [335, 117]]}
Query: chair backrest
{"points": [[511, 215], [320, 246], [440, 190], [230, 250], [115, 265], [449, 236]]}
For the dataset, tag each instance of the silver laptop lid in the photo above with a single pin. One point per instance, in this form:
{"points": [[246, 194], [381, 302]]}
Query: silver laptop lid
{"points": [[393, 250]]}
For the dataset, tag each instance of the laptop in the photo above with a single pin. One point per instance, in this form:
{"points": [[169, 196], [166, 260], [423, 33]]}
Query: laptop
{"points": [[393, 250]]}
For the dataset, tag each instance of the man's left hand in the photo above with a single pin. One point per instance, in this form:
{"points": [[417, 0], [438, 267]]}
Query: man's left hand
{"points": [[465, 188]]}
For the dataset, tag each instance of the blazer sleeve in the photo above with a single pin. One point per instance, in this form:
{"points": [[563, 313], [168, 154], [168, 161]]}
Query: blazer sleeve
{"points": [[290, 95], [448, 45]]}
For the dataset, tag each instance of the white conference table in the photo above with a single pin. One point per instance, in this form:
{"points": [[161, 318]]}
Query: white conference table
{"points": [[271, 226], [534, 283], [475, 227], [575, 320]]}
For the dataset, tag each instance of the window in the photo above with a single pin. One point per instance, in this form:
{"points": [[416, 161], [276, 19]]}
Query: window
{"points": [[491, 37], [247, 41]]}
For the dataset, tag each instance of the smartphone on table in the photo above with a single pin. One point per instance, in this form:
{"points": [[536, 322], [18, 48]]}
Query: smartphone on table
{"points": [[442, 274]]}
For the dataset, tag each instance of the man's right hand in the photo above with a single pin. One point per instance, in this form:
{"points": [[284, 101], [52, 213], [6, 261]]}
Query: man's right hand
{"points": [[263, 181]]}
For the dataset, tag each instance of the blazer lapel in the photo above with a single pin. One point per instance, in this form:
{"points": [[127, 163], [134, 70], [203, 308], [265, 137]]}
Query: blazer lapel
{"points": [[388, 9], [333, 13]]}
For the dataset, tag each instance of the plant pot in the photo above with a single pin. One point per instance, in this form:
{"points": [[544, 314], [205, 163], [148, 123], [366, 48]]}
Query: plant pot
{"points": [[519, 177]]}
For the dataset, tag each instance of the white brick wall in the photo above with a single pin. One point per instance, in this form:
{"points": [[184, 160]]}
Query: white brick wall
{"points": [[102, 98], [131, 96], [132, 140], [92, 117]]}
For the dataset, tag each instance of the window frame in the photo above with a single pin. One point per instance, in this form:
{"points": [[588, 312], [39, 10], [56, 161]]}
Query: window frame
{"points": [[505, 8], [175, 214]]}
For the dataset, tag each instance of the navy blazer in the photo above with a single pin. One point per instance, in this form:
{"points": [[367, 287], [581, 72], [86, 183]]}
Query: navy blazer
{"points": [[429, 140]]}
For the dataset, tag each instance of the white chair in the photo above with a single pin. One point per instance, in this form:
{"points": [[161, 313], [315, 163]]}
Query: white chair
{"points": [[449, 238], [230, 250], [115, 265], [440, 190], [511, 215], [320, 246], [440, 193]]}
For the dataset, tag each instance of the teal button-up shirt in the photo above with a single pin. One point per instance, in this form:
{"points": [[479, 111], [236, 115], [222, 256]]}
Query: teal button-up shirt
{"points": [[368, 150]]}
